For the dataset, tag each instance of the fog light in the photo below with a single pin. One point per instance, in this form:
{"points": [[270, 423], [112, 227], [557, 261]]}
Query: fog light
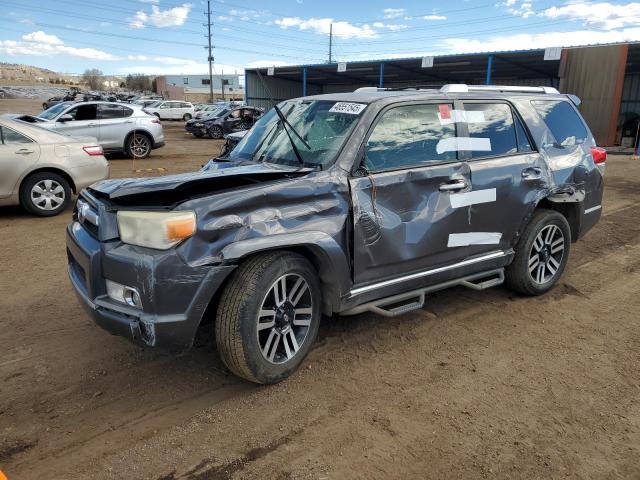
{"points": [[123, 294]]}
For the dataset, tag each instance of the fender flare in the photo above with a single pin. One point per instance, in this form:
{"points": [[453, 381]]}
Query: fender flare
{"points": [[326, 254]]}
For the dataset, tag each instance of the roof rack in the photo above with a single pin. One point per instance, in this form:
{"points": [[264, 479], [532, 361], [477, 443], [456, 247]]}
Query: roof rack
{"points": [[464, 88]]}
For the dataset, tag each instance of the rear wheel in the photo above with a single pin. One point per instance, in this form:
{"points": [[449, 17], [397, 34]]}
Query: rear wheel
{"points": [[186, 117], [45, 194], [268, 317], [541, 254], [215, 131], [138, 145]]}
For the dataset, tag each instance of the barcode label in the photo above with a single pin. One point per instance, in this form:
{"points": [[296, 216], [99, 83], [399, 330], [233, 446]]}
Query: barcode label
{"points": [[350, 108]]}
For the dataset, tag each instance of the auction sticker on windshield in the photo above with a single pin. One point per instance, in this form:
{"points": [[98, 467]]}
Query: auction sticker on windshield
{"points": [[350, 108]]}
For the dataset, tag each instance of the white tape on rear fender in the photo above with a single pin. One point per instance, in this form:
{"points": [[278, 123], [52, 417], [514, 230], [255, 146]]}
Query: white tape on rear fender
{"points": [[473, 238], [461, 116], [593, 209], [457, 144], [459, 200]]}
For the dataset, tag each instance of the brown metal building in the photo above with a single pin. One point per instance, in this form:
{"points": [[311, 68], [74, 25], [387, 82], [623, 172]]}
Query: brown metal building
{"points": [[606, 78]]}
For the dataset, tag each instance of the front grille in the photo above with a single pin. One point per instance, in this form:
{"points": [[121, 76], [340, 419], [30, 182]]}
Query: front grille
{"points": [[88, 217]]}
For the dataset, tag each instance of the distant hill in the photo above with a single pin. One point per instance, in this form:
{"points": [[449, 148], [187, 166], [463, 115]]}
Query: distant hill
{"points": [[11, 73]]}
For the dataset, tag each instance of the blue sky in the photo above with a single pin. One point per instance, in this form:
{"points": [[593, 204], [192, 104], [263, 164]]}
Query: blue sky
{"points": [[167, 36]]}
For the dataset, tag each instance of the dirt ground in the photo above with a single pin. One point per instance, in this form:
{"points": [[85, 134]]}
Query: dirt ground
{"points": [[475, 385]]}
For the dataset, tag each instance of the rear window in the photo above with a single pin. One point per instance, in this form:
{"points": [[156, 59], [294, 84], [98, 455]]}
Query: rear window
{"points": [[563, 122], [110, 111], [494, 124]]}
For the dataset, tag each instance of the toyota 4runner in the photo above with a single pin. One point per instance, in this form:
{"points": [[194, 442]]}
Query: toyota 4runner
{"points": [[340, 204]]}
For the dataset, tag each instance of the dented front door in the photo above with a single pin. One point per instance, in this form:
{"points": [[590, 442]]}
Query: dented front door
{"points": [[401, 193]]}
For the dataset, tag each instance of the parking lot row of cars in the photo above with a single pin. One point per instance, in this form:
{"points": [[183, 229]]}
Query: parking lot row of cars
{"points": [[46, 158]]}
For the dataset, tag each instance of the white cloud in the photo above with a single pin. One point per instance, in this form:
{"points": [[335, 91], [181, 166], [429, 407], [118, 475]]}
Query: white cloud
{"points": [[540, 40], [40, 43], [341, 29], [393, 12], [155, 2], [173, 17], [597, 14], [390, 26], [434, 17]]}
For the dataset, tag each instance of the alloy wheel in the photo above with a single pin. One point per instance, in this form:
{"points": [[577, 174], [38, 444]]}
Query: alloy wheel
{"points": [[546, 254], [139, 146], [47, 195], [284, 318]]}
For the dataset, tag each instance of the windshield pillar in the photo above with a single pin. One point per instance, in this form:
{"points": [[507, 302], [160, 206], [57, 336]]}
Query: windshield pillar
{"points": [[304, 81]]}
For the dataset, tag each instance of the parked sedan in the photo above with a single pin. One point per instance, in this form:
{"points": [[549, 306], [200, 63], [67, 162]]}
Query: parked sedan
{"points": [[219, 124], [172, 110], [118, 127], [40, 169]]}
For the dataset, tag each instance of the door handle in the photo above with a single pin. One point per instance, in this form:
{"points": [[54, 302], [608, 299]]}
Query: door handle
{"points": [[531, 173], [129, 121], [92, 124], [453, 186], [24, 151]]}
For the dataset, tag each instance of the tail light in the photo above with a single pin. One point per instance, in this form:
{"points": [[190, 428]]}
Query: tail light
{"points": [[94, 150], [156, 120], [599, 155]]}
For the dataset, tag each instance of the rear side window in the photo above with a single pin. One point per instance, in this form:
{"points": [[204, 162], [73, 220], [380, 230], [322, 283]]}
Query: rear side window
{"points": [[110, 111], [408, 136], [10, 137], [84, 112], [127, 111], [492, 124], [563, 122]]}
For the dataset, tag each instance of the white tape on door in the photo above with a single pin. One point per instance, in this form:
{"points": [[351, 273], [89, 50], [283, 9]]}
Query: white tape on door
{"points": [[459, 200], [473, 238], [461, 116], [456, 144]]}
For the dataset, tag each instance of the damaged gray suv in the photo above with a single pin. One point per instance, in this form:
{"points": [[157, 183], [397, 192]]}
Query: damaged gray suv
{"points": [[340, 204]]}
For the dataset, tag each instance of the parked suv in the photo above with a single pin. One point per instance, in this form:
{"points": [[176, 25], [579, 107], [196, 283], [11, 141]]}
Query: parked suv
{"points": [[118, 127], [340, 204], [172, 110]]}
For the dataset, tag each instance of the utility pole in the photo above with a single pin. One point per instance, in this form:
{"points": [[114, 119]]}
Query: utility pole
{"points": [[330, 42], [210, 56], [222, 84]]}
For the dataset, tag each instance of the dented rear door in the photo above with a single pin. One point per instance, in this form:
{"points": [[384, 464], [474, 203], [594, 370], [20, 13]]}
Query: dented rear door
{"points": [[401, 199]]}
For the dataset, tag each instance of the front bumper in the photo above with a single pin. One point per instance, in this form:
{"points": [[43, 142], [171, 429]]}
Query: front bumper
{"points": [[193, 129], [174, 294]]}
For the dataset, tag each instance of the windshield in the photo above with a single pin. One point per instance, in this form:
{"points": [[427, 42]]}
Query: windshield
{"points": [[153, 104], [218, 112], [324, 126], [54, 111]]}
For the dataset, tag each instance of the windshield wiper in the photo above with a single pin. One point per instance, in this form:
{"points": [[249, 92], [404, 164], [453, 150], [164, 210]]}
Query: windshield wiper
{"points": [[284, 119], [291, 141]]}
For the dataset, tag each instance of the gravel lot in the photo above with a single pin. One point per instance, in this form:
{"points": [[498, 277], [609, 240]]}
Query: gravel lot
{"points": [[475, 385]]}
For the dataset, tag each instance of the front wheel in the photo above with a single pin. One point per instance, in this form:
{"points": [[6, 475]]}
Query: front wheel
{"points": [[268, 317], [215, 132], [186, 117], [541, 254]]}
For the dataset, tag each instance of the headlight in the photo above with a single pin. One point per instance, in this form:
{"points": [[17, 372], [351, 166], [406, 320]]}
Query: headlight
{"points": [[160, 230]]}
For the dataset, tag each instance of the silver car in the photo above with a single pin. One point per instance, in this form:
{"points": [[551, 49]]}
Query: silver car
{"points": [[118, 127], [40, 169]]}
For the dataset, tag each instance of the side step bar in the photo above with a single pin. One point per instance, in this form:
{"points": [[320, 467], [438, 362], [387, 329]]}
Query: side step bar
{"points": [[409, 301]]}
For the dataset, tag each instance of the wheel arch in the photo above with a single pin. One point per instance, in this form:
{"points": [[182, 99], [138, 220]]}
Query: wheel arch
{"points": [[319, 248], [140, 131], [570, 210], [57, 171]]}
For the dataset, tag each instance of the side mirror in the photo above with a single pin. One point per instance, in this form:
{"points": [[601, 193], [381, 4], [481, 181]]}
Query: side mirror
{"points": [[65, 118]]}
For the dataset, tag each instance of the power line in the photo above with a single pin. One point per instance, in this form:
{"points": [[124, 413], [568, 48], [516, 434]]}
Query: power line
{"points": [[210, 58]]}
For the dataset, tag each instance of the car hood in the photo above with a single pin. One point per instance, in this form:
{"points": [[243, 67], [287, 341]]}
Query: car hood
{"points": [[170, 189]]}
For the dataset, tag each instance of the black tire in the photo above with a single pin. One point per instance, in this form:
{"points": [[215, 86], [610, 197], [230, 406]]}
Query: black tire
{"points": [[186, 117], [518, 275], [198, 134], [215, 132], [44, 106], [250, 288], [138, 145], [47, 207]]}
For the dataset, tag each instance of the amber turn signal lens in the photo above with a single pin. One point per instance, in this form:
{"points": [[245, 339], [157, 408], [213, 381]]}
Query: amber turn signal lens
{"points": [[180, 229]]}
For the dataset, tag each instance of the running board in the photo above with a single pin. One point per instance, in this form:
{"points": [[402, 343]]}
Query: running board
{"points": [[414, 300]]}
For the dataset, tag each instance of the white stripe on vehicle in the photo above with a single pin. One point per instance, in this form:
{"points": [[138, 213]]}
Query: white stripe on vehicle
{"points": [[473, 238], [593, 209], [459, 200]]}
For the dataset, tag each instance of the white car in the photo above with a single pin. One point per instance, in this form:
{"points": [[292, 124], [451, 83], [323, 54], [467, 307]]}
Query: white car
{"points": [[40, 169], [172, 110]]}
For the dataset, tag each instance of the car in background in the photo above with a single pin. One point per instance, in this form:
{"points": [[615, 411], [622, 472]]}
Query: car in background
{"points": [[69, 97], [217, 125], [206, 110], [40, 169], [118, 127], [145, 103], [172, 110]]}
